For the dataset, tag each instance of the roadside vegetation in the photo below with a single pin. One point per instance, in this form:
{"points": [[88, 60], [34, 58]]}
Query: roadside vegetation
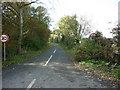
{"points": [[98, 67], [28, 31], [27, 28], [22, 57], [98, 54]]}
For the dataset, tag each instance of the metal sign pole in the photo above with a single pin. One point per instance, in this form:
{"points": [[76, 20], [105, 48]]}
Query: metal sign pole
{"points": [[4, 39], [4, 51]]}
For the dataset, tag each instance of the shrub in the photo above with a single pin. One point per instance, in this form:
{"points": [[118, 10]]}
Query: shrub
{"points": [[88, 50], [69, 41]]}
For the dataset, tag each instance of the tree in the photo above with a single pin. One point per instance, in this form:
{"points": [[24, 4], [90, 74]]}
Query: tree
{"points": [[34, 36], [116, 37], [18, 9], [73, 30], [0, 29], [57, 36], [116, 34], [68, 25], [84, 28]]}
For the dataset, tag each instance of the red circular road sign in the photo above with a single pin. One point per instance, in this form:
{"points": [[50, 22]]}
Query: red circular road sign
{"points": [[92, 35], [4, 38]]}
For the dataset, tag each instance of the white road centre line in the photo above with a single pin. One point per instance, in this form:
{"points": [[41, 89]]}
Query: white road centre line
{"points": [[54, 51], [31, 84], [48, 60]]}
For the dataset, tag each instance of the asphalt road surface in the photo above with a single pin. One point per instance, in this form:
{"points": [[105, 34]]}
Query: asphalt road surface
{"points": [[52, 69]]}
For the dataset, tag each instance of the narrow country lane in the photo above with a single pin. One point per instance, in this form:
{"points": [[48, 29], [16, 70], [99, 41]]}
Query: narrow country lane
{"points": [[52, 69]]}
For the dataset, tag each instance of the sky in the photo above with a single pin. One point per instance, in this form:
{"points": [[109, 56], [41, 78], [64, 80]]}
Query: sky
{"points": [[102, 14]]}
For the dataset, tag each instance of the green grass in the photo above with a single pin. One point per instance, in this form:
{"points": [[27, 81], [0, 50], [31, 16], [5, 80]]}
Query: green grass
{"points": [[68, 50], [116, 72], [102, 67], [22, 57]]}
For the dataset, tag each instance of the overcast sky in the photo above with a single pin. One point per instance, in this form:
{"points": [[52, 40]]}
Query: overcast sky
{"points": [[99, 12]]}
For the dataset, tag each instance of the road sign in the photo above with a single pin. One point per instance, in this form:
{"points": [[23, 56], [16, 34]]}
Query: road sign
{"points": [[92, 36], [4, 38]]}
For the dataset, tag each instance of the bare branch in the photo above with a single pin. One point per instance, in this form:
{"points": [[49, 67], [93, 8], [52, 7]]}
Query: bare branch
{"points": [[31, 3], [12, 7], [26, 32]]}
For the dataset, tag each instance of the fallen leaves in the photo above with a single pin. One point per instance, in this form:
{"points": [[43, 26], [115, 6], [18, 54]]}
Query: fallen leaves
{"points": [[99, 73]]}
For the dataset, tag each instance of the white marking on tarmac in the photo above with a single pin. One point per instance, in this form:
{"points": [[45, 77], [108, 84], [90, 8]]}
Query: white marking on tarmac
{"points": [[31, 84], [54, 51], [48, 60]]}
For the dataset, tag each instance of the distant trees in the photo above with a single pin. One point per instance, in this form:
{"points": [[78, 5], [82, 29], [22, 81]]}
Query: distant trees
{"points": [[68, 25], [73, 34], [71, 30], [28, 29], [57, 36], [67, 29]]}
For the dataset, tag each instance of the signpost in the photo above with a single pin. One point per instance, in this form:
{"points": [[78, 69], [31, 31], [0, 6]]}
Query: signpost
{"points": [[4, 39], [92, 36]]}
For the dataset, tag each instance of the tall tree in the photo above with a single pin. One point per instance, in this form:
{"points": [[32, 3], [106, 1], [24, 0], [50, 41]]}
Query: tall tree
{"points": [[116, 37], [69, 26], [34, 36], [84, 27], [18, 8], [0, 30]]}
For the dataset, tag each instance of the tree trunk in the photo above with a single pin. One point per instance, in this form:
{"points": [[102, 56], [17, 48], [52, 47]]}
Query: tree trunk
{"points": [[21, 30], [118, 33], [118, 45], [0, 46], [0, 30]]}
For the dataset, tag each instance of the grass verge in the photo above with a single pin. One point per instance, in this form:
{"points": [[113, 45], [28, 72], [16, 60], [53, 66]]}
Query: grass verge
{"points": [[68, 50], [23, 57], [101, 68]]}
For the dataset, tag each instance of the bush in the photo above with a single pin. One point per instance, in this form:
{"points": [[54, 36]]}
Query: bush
{"points": [[80, 55], [99, 49], [89, 50], [69, 41]]}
